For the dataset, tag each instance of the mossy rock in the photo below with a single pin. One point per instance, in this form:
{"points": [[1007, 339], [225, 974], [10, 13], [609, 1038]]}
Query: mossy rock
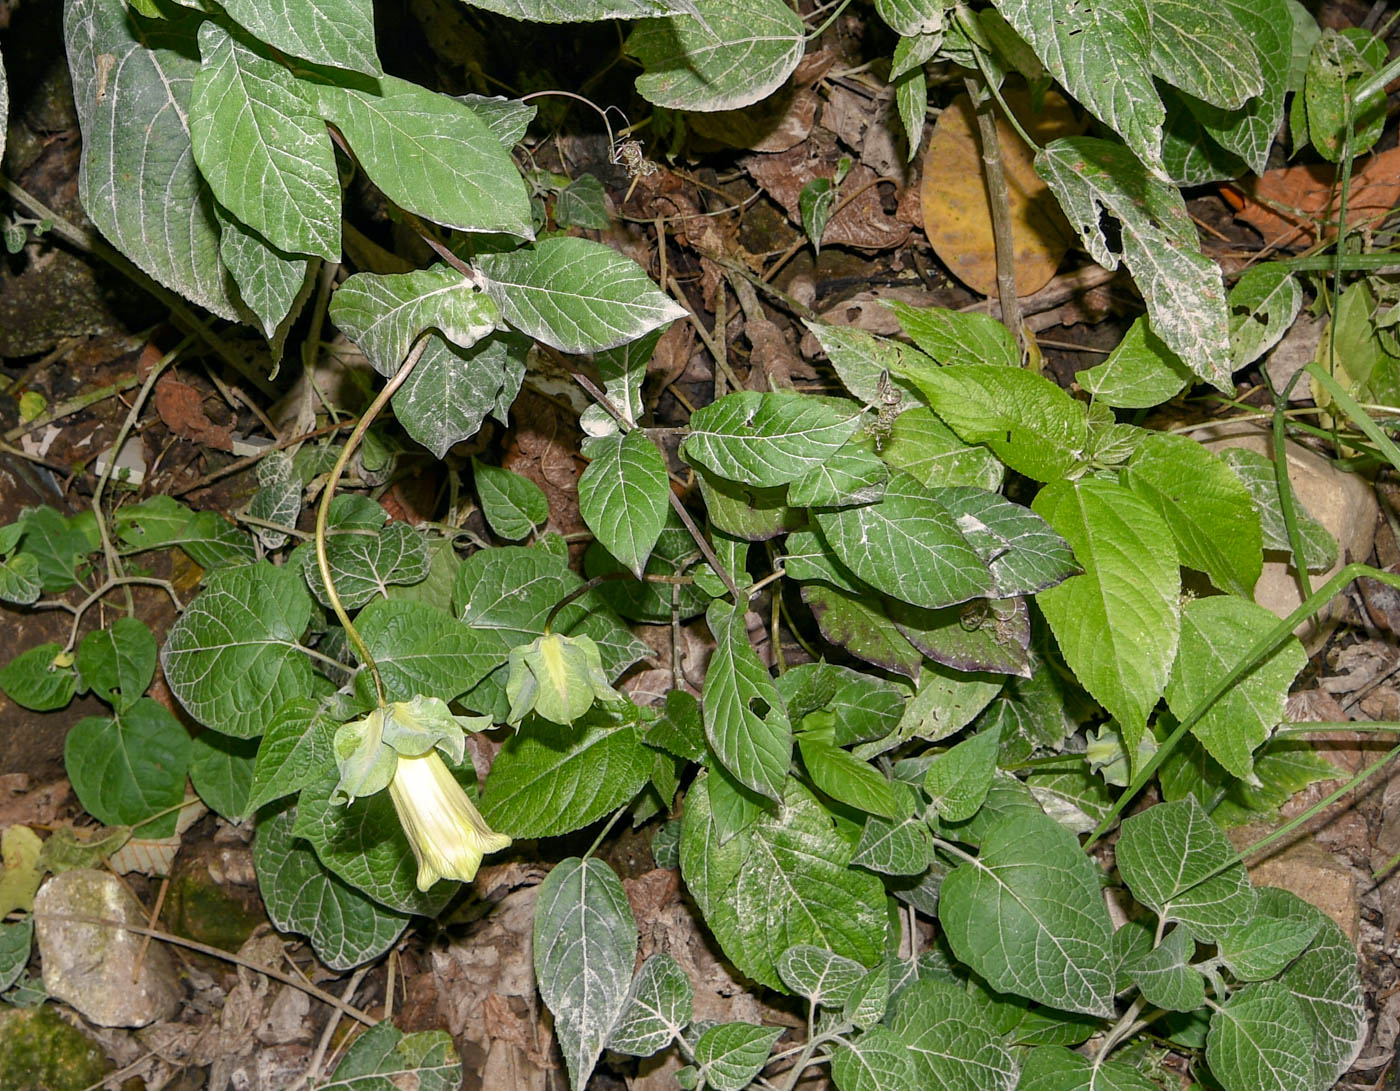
{"points": [[40, 1051]]}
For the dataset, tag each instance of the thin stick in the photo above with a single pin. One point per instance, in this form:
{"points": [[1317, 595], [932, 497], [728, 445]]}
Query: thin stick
{"points": [[995, 179]]}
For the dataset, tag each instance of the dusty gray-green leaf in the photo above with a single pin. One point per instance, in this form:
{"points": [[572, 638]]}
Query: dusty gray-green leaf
{"points": [[781, 882], [1165, 855], [824, 978], [1184, 290], [575, 295], [431, 155], [585, 942], [909, 546], [271, 284], [137, 178], [1257, 473], [1263, 304], [421, 650], [385, 1057], [262, 148], [452, 389], [950, 1040], [730, 1055], [1118, 623], [624, 496], [746, 723], [278, 499], [583, 11], [768, 439], [1028, 422], [853, 475], [1216, 633], [339, 33], [1202, 50], [1206, 506], [1262, 947], [118, 663], [295, 751], [1028, 916], [1101, 53], [234, 656], [867, 365], [1259, 1040], [849, 620], [385, 313], [1022, 552], [730, 54], [550, 779], [957, 781], [1055, 1068], [19, 579], [930, 452], [513, 504], [1165, 975], [874, 1061], [346, 928], [658, 1008], [1139, 373], [910, 17], [894, 848]]}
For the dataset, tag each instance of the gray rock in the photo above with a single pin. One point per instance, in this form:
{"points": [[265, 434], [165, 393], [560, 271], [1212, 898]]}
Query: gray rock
{"points": [[90, 966]]}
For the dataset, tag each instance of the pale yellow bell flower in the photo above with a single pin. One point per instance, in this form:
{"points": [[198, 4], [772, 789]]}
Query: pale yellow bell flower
{"points": [[446, 831]]}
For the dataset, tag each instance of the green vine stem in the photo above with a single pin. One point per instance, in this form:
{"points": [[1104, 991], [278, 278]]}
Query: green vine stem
{"points": [[324, 508]]}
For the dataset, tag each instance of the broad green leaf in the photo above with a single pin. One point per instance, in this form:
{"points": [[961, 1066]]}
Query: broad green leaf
{"points": [[860, 706], [780, 883], [582, 203], [1165, 855], [823, 978], [271, 284], [385, 313], [1263, 304], [210, 539], [423, 651], [1216, 633], [19, 579], [56, 545], [1033, 711], [364, 844], [1141, 372], [263, 149], [233, 656], [1325, 981], [815, 203], [450, 392], [958, 780], [950, 1041], [874, 1061], [658, 1008], [1257, 473], [16, 937], [585, 942], [850, 620], [910, 17], [1055, 1068], [1259, 1040], [930, 452], [345, 927], [118, 663], [756, 514], [1076, 798], [1183, 289], [385, 1057], [34, 680], [729, 54], [730, 1055], [1340, 61], [867, 365], [1101, 53], [981, 635], [745, 722], [575, 295], [582, 11], [1028, 917], [513, 504], [277, 501], [911, 100], [431, 155], [1022, 552], [1202, 50], [853, 475], [648, 601], [137, 178], [1028, 422], [869, 997], [624, 496], [366, 552], [845, 778], [1117, 625], [622, 369], [946, 702], [1165, 975], [131, 766], [295, 751], [768, 439], [339, 33], [1249, 132], [909, 546], [1206, 506], [1262, 947], [894, 848], [221, 770], [954, 337], [550, 779]]}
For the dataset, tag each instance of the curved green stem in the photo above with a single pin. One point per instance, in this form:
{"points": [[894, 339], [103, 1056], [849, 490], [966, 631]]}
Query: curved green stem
{"points": [[323, 512]]}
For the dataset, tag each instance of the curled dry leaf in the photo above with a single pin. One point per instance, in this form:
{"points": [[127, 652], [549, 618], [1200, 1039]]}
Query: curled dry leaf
{"points": [[957, 217], [181, 407]]}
